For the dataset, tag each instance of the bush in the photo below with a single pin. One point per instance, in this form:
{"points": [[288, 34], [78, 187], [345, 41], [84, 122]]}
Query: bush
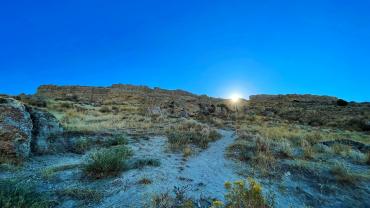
{"points": [[81, 145], [21, 195], [166, 200], [342, 174], [104, 109], [107, 162], [191, 132], [239, 195]]}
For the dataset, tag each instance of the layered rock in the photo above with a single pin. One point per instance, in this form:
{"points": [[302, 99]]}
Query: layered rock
{"points": [[25, 130]]}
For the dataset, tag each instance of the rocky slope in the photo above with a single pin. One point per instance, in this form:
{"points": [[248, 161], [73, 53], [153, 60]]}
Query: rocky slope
{"points": [[313, 110], [155, 101]]}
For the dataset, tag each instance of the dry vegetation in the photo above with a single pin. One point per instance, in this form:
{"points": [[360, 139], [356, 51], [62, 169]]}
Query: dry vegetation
{"points": [[273, 147], [181, 135], [107, 162], [82, 117]]}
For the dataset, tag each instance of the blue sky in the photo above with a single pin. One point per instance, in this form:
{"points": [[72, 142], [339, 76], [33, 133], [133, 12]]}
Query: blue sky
{"points": [[206, 47]]}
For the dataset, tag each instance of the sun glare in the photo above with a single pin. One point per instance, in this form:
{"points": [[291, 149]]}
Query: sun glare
{"points": [[235, 97]]}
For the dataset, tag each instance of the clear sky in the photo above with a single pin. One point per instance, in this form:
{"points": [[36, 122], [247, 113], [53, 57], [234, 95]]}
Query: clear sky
{"points": [[206, 47]]}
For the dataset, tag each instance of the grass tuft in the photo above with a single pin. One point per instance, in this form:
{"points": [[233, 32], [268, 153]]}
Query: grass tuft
{"points": [[50, 172], [15, 194], [343, 175], [107, 162]]}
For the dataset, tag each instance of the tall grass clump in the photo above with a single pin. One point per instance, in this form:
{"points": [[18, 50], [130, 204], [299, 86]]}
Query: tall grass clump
{"points": [[190, 132], [22, 195], [107, 162], [343, 175]]}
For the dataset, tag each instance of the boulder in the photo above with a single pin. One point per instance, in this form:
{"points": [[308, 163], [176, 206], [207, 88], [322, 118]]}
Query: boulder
{"points": [[45, 130], [15, 128], [25, 130]]}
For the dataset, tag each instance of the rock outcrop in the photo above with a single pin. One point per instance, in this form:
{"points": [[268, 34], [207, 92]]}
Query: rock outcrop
{"points": [[46, 128], [15, 128], [25, 130], [154, 101]]}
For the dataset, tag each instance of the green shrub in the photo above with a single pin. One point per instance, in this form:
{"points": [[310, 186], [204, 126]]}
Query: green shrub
{"points": [[22, 195], [107, 162]]}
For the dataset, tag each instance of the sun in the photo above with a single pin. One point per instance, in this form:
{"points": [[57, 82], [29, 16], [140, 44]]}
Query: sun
{"points": [[235, 97]]}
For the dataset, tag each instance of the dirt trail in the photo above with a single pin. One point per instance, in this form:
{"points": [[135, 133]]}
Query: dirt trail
{"points": [[202, 174]]}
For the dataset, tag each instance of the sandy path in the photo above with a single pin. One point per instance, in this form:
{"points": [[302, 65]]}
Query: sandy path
{"points": [[203, 174]]}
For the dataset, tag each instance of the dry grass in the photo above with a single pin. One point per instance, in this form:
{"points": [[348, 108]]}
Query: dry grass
{"points": [[144, 181], [190, 132], [240, 195], [78, 117], [343, 175], [14, 194], [85, 195], [186, 151], [308, 151], [280, 130], [50, 172]]}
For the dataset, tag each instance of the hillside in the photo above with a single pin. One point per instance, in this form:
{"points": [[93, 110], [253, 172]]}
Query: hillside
{"points": [[134, 146]]}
